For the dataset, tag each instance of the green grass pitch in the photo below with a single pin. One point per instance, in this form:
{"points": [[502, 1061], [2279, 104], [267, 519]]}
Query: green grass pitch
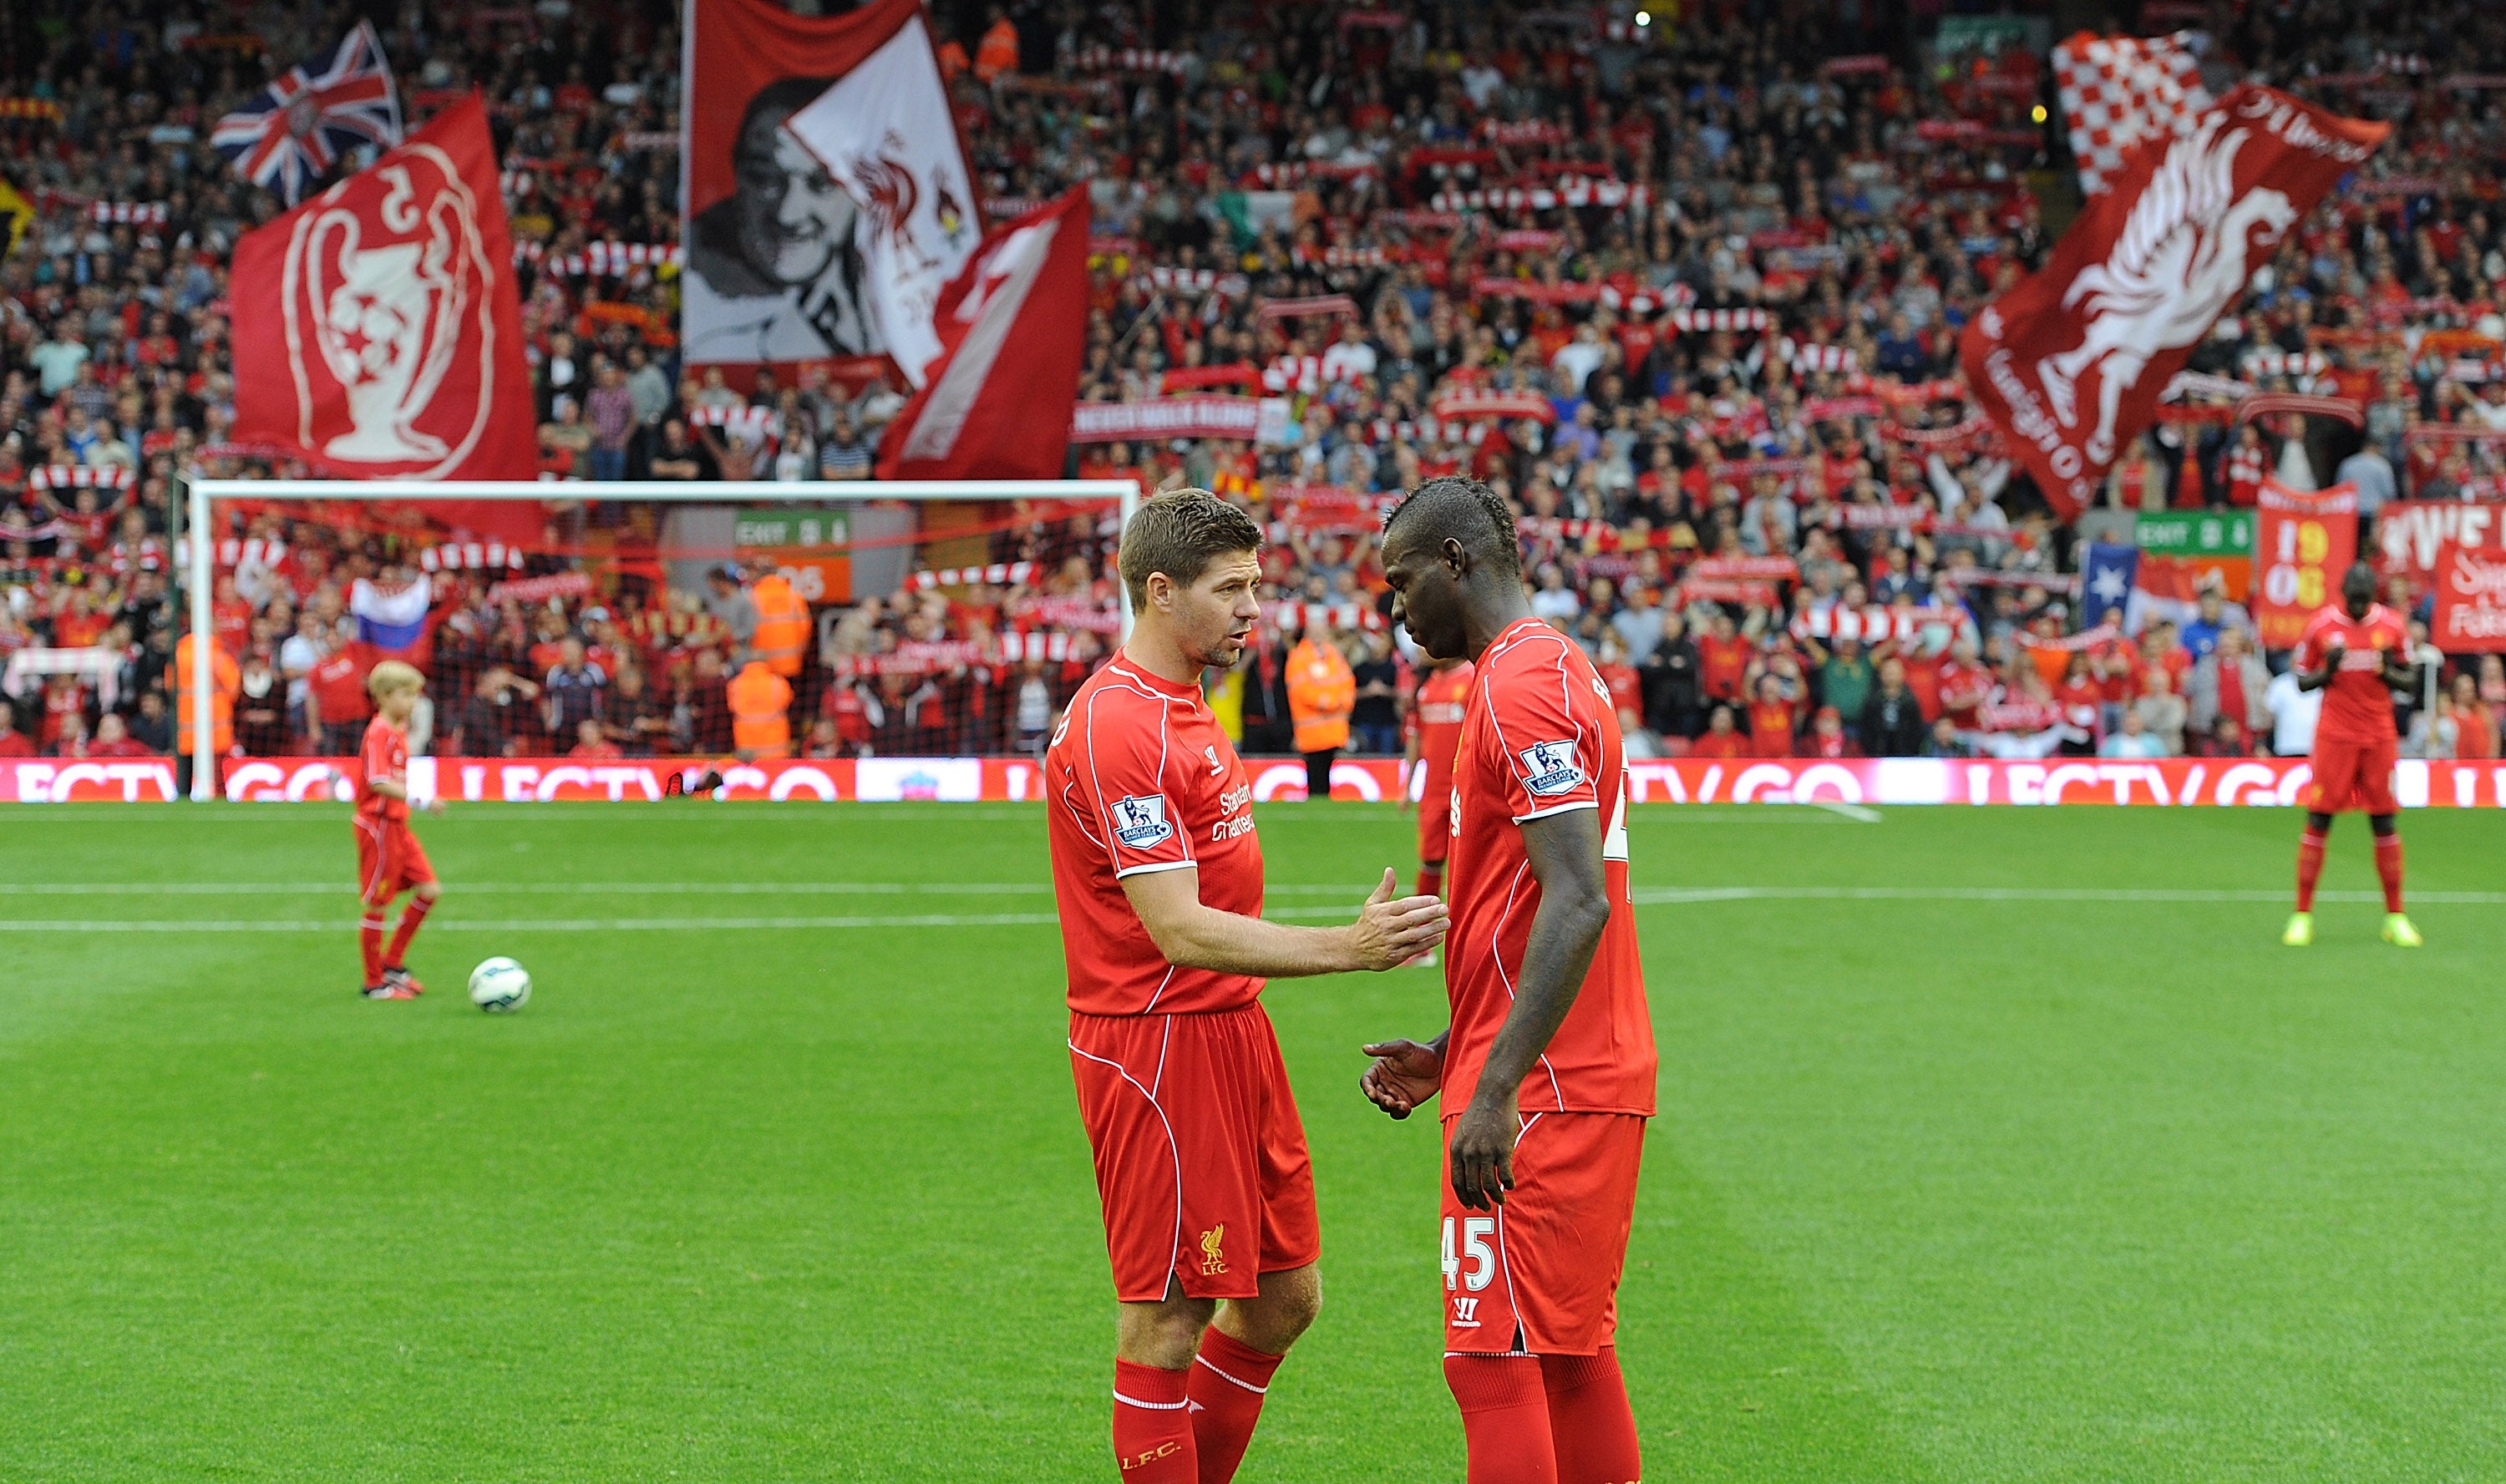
{"points": [[1995, 1145]]}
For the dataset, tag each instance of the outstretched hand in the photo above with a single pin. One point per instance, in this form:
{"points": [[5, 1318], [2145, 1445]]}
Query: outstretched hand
{"points": [[1402, 1076], [1390, 932]]}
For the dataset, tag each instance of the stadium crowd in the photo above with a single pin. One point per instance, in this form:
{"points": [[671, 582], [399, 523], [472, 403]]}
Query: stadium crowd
{"points": [[1685, 289]]}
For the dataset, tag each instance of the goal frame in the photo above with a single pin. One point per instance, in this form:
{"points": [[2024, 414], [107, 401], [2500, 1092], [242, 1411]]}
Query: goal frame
{"points": [[199, 497]]}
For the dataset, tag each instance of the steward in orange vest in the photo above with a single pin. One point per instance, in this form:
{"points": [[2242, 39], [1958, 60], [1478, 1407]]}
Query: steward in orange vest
{"points": [[997, 54], [224, 681], [1321, 694], [761, 706], [782, 625], [1322, 691]]}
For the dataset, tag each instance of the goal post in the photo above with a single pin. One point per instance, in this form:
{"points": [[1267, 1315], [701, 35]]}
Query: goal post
{"points": [[197, 553]]}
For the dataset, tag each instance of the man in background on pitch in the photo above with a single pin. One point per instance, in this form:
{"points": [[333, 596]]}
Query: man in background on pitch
{"points": [[2357, 654], [1435, 733], [1200, 1158], [1547, 1068]]}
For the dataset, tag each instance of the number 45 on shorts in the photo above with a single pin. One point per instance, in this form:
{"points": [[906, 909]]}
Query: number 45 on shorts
{"points": [[1476, 1230]]}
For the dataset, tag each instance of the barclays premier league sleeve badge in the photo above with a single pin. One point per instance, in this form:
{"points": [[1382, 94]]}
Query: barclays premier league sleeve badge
{"points": [[1550, 768], [1140, 822]]}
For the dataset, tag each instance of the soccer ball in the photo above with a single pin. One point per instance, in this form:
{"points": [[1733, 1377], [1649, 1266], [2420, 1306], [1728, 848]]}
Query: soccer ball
{"points": [[500, 984]]}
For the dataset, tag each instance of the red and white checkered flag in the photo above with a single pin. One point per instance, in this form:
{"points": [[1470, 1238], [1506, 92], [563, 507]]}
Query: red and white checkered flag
{"points": [[2117, 91]]}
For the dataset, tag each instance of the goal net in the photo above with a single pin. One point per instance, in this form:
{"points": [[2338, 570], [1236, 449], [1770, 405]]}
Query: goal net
{"points": [[597, 620]]}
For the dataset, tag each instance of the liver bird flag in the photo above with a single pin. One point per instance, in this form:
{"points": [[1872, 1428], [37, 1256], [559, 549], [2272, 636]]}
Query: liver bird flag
{"points": [[2070, 363]]}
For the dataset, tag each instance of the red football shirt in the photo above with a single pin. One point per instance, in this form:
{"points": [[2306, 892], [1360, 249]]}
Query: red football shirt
{"points": [[2357, 705], [1540, 739], [1443, 698], [1771, 728], [1721, 664], [386, 754], [338, 683], [1140, 778]]}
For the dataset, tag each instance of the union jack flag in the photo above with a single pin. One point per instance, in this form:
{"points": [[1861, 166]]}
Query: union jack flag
{"points": [[297, 130]]}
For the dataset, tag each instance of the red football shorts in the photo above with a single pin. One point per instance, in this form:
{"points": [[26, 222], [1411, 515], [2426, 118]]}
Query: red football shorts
{"points": [[1540, 1273], [1436, 820], [2352, 775], [389, 859], [1200, 1158]]}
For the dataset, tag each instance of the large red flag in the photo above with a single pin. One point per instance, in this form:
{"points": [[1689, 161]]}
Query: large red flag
{"points": [[380, 335], [1013, 327], [2070, 363]]}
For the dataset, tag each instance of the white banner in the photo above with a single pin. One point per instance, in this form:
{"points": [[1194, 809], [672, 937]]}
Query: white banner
{"points": [[1108, 422], [885, 134]]}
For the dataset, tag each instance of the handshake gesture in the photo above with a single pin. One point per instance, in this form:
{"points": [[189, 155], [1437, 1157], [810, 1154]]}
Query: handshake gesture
{"points": [[1390, 931]]}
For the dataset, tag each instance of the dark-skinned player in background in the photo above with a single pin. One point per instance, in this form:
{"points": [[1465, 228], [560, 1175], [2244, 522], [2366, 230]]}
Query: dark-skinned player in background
{"points": [[1200, 1158], [1435, 732], [2357, 654], [1546, 1066]]}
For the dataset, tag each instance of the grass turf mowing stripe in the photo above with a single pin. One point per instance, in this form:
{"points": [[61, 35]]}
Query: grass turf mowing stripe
{"points": [[1659, 897], [599, 888], [436, 924], [2070, 1190]]}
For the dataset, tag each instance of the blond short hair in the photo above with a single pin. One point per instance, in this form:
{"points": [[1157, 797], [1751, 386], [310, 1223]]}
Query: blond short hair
{"points": [[393, 676]]}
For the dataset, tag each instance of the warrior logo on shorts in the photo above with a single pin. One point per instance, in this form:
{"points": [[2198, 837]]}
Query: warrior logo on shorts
{"points": [[1140, 822], [1549, 767], [1212, 1261], [1466, 1313]]}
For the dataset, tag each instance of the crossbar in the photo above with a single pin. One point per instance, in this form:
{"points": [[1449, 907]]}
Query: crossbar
{"points": [[199, 567]]}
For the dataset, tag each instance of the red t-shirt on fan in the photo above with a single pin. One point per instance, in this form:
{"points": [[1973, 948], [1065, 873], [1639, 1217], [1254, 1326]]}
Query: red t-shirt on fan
{"points": [[1140, 778], [384, 756], [338, 683], [2357, 705], [1540, 738]]}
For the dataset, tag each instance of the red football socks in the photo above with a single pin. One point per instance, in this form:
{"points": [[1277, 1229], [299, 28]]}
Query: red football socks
{"points": [[370, 939], [2388, 869], [2310, 869], [1431, 880], [1589, 1425], [1505, 1419], [1152, 1428], [411, 917], [1227, 1380]]}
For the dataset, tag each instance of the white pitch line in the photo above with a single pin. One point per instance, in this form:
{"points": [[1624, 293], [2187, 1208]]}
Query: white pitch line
{"points": [[583, 924], [1857, 813], [1691, 896], [1658, 896], [600, 888]]}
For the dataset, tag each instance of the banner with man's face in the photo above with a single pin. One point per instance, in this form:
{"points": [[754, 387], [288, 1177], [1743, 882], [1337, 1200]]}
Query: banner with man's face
{"points": [[784, 264]]}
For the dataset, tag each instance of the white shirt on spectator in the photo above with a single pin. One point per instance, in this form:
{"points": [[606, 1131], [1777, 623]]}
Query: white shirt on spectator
{"points": [[1576, 360], [58, 363], [1348, 361], [296, 657], [1557, 605], [2293, 711], [2372, 473]]}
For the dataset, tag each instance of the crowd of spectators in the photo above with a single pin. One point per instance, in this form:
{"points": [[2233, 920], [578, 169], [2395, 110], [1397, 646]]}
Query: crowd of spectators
{"points": [[1686, 292]]}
